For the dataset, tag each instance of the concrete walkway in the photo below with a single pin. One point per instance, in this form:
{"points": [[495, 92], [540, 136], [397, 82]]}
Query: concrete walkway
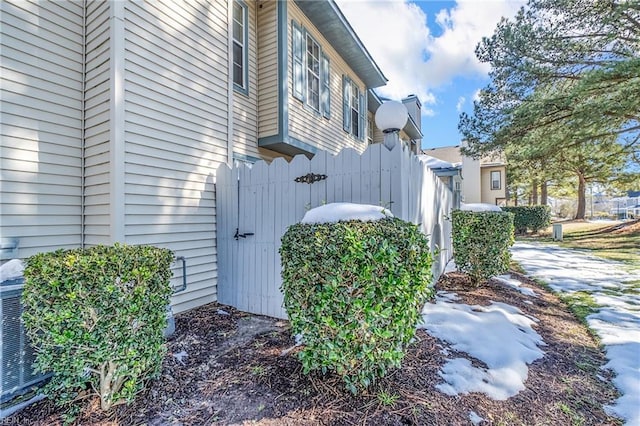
{"points": [[615, 288]]}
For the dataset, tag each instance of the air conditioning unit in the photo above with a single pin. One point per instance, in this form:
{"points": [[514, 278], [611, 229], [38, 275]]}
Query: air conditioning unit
{"points": [[17, 376]]}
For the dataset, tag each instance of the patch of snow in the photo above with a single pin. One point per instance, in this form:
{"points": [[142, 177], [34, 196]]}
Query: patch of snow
{"points": [[616, 321], [222, 312], [436, 163], [480, 207], [11, 270], [336, 212], [515, 284], [528, 302], [451, 267], [474, 418], [499, 335], [180, 356]]}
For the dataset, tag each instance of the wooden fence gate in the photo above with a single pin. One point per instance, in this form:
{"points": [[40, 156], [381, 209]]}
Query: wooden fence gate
{"points": [[256, 204]]}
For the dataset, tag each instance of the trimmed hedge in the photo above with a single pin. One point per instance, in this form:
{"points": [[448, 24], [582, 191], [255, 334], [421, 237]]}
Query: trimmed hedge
{"points": [[354, 291], [481, 242], [96, 319], [530, 217]]}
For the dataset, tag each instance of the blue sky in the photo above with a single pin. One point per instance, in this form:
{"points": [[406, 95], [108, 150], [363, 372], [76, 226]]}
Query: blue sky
{"points": [[427, 48]]}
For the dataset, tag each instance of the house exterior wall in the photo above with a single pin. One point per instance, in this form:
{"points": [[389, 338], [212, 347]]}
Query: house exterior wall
{"points": [[310, 126], [492, 196], [267, 27], [175, 128], [471, 181], [41, 153], [245, 105], [97, 168], [446, 153]]}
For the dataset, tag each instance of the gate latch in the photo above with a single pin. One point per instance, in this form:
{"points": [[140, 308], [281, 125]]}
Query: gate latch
{"points": [[238, 235]]}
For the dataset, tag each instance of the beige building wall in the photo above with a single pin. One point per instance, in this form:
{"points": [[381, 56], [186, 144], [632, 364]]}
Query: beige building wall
{"points": [[492, 196]]}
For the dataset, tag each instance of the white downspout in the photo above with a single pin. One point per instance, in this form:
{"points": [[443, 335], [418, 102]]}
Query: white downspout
{"points": [[83, 119], [230, 83]]}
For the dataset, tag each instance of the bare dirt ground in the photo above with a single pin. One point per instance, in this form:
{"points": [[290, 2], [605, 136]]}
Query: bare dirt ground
{"points": [[234, 373]]}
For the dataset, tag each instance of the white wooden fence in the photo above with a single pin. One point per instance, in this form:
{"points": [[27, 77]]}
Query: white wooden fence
{"points": [[255, 205]]}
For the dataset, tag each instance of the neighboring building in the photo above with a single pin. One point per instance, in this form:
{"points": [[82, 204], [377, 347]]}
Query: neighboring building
{"points": [[115, 115], [483, 181], [449, 173]]}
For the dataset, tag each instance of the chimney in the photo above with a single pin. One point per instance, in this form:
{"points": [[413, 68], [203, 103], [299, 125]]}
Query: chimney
{"points": [[414, 107]]}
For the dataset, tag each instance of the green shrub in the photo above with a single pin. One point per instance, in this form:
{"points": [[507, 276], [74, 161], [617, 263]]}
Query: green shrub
{"points": [[481, 242], [530, 217], [96, 319], [354, 290]]}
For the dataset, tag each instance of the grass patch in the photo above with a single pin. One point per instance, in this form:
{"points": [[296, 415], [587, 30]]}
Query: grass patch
{"points": [[387, 398], [576, 419], [581, 303], [599, 239]]}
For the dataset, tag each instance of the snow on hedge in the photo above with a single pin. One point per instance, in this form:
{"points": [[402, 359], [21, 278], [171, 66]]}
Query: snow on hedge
{"points": [[337, 212]]}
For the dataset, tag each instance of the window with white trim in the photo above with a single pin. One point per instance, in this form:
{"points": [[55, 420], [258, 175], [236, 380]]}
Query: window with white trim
{"points": [[240, 49], [354, 109], [496, 180], [311, 71]]}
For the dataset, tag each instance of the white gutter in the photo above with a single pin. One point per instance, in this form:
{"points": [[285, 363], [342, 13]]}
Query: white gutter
{"points": [[230, 84]]}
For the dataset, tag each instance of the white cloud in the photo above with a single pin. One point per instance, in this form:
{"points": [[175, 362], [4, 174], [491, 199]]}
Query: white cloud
{"points": [[396, 34], [476, 95], [460, 104]]}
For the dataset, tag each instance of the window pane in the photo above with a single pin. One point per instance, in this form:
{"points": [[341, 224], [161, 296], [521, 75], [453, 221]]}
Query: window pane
{"points": [[238, 59], [238, 34], [237, 74], [355, 129], [237, 11], [495, 180]]}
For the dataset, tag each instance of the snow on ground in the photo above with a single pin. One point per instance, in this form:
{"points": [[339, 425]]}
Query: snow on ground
{"points": [[474, 418], [335, 212], [498, 335], [451, 267], [515, 284], [617, 321], [480, 207]]}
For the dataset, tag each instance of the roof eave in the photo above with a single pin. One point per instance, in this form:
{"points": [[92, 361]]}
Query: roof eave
{"points": [[327, 17]]}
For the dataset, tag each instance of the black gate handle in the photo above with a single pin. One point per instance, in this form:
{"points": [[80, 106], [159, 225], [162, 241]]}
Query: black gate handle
{"points": [[237, 236]]}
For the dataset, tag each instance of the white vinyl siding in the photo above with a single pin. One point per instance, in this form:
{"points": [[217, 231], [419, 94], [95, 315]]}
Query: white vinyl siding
{"points": [[41, 124], [305, 124], [176, 90], [97, 223], [245, 104], [267, 58]]}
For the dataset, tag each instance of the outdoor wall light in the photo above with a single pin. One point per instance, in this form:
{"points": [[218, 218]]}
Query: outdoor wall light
{"points": [[391, 116]]}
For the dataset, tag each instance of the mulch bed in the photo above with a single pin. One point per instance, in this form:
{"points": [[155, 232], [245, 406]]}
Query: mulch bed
{"points": [[234, 373]]}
